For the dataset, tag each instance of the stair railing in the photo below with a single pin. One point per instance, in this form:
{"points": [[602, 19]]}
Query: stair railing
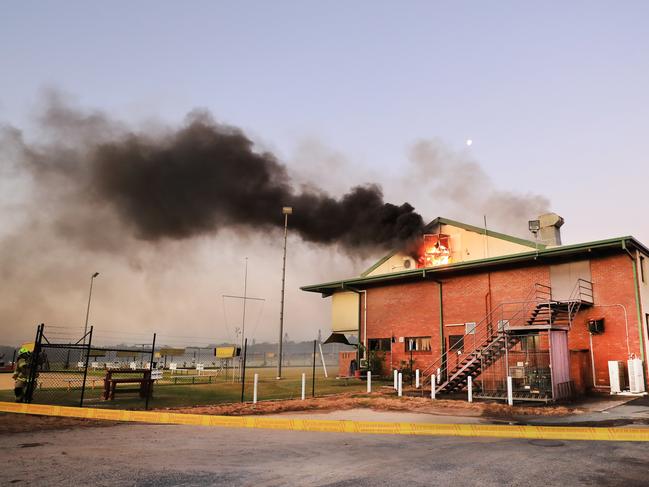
{"points": [[581, 294], [483, 333]]}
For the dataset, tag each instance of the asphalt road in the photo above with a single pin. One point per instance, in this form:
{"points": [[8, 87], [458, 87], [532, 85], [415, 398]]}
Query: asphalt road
{"points": [[166, 455]]}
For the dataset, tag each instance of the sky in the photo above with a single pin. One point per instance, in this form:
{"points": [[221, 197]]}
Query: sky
{"points": [[552, 95]]}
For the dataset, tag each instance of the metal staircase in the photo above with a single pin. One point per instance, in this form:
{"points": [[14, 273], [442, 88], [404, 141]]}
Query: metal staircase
{"points": [[503, 328]]}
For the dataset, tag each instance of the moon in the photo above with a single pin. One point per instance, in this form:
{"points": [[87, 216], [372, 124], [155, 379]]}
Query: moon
{"points": [[469, 142]]}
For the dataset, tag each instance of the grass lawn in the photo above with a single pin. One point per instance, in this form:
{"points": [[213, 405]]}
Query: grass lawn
{"points": [[220, 390]]}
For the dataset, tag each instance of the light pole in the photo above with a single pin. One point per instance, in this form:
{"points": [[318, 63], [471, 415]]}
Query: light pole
{"points": [[85, 328], [286, 211]]}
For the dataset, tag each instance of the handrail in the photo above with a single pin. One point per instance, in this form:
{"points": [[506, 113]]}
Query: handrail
{"points": [[483, 334], [483, 331], [581, 293]]}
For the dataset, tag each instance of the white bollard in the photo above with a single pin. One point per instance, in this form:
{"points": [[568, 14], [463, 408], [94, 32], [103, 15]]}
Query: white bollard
{"points": [[510, 392], [303, 385], [254, 389], [417, 378], [433, 384], [369, 381], [438, 376], [395, 379], [469, 385], [400, 385]]}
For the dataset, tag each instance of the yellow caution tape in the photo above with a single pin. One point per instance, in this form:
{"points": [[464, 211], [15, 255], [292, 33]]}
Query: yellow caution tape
{"points": [[337, 426]]}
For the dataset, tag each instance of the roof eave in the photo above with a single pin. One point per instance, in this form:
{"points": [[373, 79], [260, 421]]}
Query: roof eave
{"points": [[330, 287]]}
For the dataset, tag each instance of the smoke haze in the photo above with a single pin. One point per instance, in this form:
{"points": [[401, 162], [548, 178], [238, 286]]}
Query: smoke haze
{"points": [[454, 183], [168, 214], [201, 178]]}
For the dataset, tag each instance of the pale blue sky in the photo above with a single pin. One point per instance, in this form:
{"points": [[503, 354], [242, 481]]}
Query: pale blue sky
{"points": [[553, 94]]}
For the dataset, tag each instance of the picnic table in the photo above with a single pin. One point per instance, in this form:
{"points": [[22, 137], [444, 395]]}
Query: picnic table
{"points": [[144, 381]]}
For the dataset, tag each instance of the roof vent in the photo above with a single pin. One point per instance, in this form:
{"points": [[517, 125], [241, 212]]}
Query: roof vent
{"points": [[547, 229]]}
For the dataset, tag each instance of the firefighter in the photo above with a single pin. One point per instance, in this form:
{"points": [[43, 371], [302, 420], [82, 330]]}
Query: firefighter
{"points": [[21, 374]]}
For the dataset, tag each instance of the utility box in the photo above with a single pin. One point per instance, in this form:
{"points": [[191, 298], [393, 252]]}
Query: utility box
{"points": [[616, 376], [636, 375]]}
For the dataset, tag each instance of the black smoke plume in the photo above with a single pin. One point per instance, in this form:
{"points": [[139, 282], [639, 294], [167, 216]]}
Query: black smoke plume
{"points": [[205, 176]]}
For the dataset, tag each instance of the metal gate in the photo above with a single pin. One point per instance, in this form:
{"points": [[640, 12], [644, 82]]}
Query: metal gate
{"points": [[58, 371]]}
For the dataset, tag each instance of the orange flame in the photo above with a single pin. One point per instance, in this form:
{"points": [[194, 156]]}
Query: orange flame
{"points": [[435, 250]]}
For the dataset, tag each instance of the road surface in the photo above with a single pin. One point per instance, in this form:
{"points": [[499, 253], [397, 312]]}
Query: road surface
{"points": [[170, 455]]}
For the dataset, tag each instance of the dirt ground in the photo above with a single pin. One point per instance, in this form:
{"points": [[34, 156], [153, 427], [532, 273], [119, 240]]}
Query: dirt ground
{"points": [[27, 423], [384, 402], [22, 423], [6, 382]]}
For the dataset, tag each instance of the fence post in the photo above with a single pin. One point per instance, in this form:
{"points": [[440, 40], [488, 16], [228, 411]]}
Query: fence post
{"points": [[149, 387], [369, 381], [254, 389], [469, 385], [400, 385], [85, 368], [33, 371], [324, 365], [243, 371], [510, 394], [417, 378], [433, 385], [395, 379], [315, 344], [303, 385]]}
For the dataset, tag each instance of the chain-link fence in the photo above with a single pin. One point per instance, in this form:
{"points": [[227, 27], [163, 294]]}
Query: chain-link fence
{"points": [[57, 370], [72, 369]]}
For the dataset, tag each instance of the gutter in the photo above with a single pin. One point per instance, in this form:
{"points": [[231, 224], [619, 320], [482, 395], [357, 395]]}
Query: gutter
{"points": [[358, 353], [636, 288], [441, 316]]}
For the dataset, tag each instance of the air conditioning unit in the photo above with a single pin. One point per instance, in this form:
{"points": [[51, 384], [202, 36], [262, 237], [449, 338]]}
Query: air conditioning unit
{"points": [[616, 376], [636, 375]]}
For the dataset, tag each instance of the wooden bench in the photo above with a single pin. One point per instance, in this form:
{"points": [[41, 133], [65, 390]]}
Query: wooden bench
{"points": [[92, 381], [110, 383], [207, 377]]}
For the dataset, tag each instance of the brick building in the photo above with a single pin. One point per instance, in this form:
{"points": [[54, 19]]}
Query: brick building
{"points": [[481, 304]]}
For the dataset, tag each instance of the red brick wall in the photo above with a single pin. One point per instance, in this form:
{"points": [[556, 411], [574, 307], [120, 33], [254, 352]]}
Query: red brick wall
{"points": [[344, 361], [403, 310], [612, 285]]}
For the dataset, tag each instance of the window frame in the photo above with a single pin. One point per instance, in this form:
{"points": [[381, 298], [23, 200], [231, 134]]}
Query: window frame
{"points": [[417, 342], [452, 340], [381, 342]]}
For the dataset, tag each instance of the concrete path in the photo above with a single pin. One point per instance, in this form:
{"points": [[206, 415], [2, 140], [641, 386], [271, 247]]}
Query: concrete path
{"points": [[386, 416], [629, 411]]}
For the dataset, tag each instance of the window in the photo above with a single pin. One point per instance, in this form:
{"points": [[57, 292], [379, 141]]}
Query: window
{"points": [[418, 344], [455, 343], [379, 344], [642, 268], [469, 328]]}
